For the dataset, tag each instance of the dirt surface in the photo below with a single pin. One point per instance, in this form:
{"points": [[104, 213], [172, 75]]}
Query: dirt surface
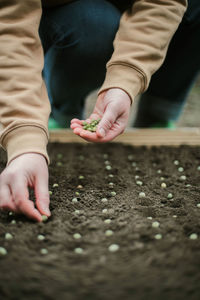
{"points": [[143, 267]]}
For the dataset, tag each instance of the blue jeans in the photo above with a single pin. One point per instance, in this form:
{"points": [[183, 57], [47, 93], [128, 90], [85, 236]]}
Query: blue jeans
{"points": [[170, 85], [77, 39]]}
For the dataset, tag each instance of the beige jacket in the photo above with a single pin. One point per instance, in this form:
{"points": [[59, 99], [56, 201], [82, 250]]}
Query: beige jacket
{"points": [[140, 47]]}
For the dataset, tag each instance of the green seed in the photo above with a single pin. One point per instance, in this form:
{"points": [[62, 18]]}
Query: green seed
{"points": [[81, 177], [79, 186], [134, 164], [8, 236], [176, 162], [113, 248], [163, 185], [41, 237], [162, 178], [113, 194], [198, 168], [183, 177], [44, 218], [10, 213], [193, 236], [149, 218], [77, 211], [44, 251], [105, 156], [111, 175], [155, 224], [104, 200], [159, 171], [198, 205], [50, 193], [107, 221], [158, 236], [81, 157], [13, 222], [84, 123], [59, 155], [169, 196], [142, 195], [174, 216], [104, 211], [108, 168], [106, 162], [55, 185], [77, 193], [78, 250], [188, 185], [77, 236], [180, 169], [137, 176], [109, 232], [3, 251], [74, 200], [59, 163], [138, 182]]}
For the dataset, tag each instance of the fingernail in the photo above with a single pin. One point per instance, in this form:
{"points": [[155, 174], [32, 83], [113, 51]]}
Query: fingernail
{"points": [[102, 132]]}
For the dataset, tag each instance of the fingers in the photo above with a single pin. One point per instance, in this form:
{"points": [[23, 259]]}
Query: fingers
{"points": [[21, 197], [6, 201], [106, 122], [42, 194]]}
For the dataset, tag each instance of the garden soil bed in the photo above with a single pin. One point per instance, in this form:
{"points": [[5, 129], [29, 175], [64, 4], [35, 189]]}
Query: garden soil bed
{"points": [[143, 267]]}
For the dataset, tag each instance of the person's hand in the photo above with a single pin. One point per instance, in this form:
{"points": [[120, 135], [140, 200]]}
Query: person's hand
{"points": [[112, 107], [31, 170]]}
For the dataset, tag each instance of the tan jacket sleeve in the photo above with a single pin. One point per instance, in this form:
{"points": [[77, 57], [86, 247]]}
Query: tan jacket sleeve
{"points": [[141, 44], [24, 104]]}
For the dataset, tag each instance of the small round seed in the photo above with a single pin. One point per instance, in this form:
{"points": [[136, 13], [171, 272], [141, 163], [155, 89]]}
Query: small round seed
{"points": [[130, 157], [77, 211], [188, 185], [74, 200], [81, 177], [158, 236], [109, 232], [106, 162], [55, 185], [174, 216], [138, 182], [13, 222], [79, 186], [44, 218], [162, 178], [163, 185], [104, 200], [104, 211], [180, 169], [113, 248], [170, 196], [108, 168], [59, 155], [193, 236], [8, 236], [50, 193], [10, 213], [78, 250], [142, 195], [176, 162], [111, 175], [113, 193], [137, 169], [198, 168], [155, 224], [3, 251], [183, 178], [41, 237], [149, 218], [107, 221], [159, 171], [77, 193], [77, 236], [134, 164], [59, 163], [137, 176], [44, 251], [198, 205]]}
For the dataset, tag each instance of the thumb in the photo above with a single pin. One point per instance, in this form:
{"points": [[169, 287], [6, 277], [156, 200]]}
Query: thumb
{"points": [[42, 195], [108, 119]]}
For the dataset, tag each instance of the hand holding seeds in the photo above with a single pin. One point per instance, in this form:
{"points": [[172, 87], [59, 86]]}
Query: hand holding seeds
{"points": [[111, 112], [31, 170]]}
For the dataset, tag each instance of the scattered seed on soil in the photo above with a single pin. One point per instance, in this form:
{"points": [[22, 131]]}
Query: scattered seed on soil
{"points": [[142, 195], [44, 251], [130, 157], [59, 155], [78, 250], [77, 236], [180, 169], [55, 185], [106, 162], [111, 175], [13, 222], [77, 211], [174, 216], [105, 155], [137, 176], [155, 224], [149, 218], [79, 186], [104, 200], [3, 251], [113, 248], [162, 178], [159, 171], [113, 193], [107, 221], [170, 196], [50, 193], [198, 168], [176, 162], [134, 164], [8, 236], [81, 177], [137, 169], [44, 218], [193, 236], [183, 177], [74, 200], [108, 168], [104, 211], [41, 237], [59, 164], [77, 193], [188, 185], [158, 236], [198, 205], [138, 182], [10, 213], [163, 185], [109, 232]]}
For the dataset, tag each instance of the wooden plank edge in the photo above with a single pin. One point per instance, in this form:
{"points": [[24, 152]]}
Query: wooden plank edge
{"points": [[139, 137]]}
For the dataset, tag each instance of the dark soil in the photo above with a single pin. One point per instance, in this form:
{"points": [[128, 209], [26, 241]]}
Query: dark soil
{"points": [[143, 267]]}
